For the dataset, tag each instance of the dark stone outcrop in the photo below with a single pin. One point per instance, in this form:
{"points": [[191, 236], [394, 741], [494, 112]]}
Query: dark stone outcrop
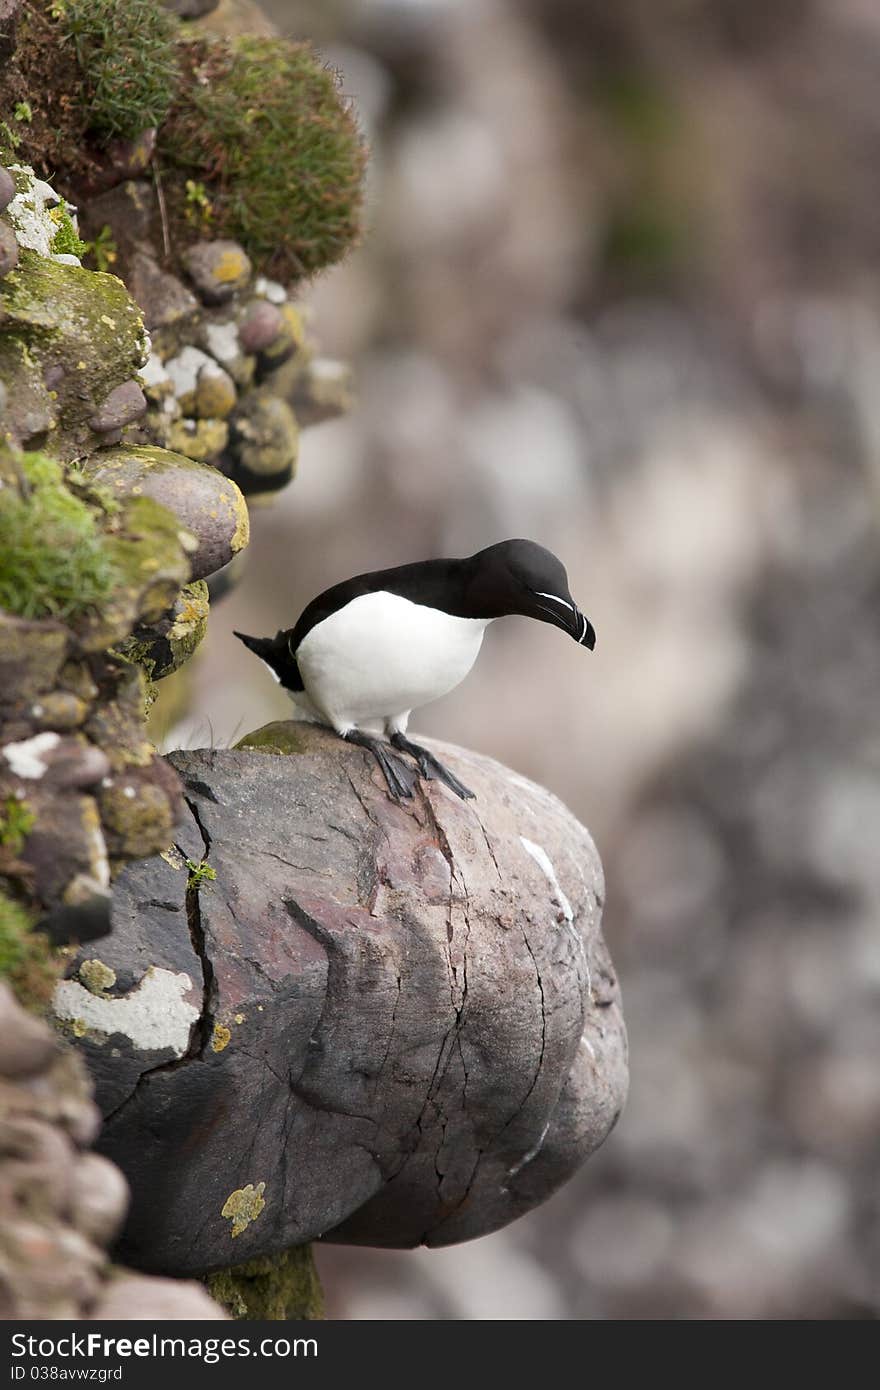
{"points": [[337, 1016]]}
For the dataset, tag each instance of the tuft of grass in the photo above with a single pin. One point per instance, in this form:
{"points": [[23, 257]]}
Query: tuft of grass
{"points": [[17, 820], [260, 133], [199, 873], [102, 252], [27, 961], [52, 557], [125, 50], [198, 210], [9, 142]]}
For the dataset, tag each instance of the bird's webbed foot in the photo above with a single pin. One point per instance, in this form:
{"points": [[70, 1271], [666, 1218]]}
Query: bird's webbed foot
{"points": [[400, 778], [430, 767]]}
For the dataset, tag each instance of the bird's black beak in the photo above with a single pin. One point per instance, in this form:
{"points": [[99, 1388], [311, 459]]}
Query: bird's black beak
{"points": [[261, 646], [582, 630], [564, 613]]}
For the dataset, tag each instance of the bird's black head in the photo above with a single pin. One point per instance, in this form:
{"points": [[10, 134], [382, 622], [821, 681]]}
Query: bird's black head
{"points": [[522, 577]]}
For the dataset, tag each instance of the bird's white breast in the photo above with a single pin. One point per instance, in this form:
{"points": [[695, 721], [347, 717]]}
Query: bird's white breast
{"points": [[382, 655]]}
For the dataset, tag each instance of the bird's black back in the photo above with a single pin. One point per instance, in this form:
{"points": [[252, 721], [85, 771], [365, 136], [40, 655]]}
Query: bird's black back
{"points": [[435, 583]]}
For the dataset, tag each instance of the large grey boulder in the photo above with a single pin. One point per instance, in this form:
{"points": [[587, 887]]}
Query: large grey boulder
{"points": [[379, 1023]]}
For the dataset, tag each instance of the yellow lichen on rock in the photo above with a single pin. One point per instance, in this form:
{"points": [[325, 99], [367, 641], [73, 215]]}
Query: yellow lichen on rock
{"points": [[97, 977], [243, 1206]]}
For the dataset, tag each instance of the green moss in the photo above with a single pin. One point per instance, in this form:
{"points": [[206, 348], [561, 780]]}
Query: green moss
{"points": [[81, 306], [260, 129], [65, 241], [57, 315], [276, 1288], [125, 50], [16, 823], [27, 962], [53, 559], [149, 559], [281, 736]]}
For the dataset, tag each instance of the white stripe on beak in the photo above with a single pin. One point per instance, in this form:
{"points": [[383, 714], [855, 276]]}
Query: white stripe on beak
{"points": [[555, 599]]}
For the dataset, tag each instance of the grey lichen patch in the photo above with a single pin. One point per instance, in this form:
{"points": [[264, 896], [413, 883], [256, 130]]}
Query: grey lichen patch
{"points": [[243, 1206], [38, 212], [155, 1016], [97, 977], [281, 736]]}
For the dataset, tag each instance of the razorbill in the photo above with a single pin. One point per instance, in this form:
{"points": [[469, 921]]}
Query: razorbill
{"points": [[380, 645]]}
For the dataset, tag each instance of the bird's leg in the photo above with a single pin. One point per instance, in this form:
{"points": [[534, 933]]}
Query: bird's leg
{"points": [[431, 767], [399, 776]]}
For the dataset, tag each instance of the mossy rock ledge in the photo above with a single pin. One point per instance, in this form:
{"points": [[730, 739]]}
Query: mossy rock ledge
{"points": [[338, 1017]]}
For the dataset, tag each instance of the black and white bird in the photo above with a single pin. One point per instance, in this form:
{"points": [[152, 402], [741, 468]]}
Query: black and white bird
{"points": [[378, 646]]}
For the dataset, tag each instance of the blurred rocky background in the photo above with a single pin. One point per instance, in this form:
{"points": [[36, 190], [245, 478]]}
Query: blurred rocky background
{"points": [[619, 294]]}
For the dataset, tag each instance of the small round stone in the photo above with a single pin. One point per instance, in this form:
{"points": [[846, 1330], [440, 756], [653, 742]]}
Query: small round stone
{"points": [[124, 404], [215, 394], [26, 1044], [199, 440], [58, 709], [217, 269], [8, 250], [7, 188], [261, 324], [136, 1296], [74, 763], [99, 1199], [290, 342], [265, 434]]}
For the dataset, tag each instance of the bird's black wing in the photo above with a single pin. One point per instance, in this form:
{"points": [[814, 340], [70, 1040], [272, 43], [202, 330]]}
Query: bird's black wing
{"points": [[433, 582]]}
